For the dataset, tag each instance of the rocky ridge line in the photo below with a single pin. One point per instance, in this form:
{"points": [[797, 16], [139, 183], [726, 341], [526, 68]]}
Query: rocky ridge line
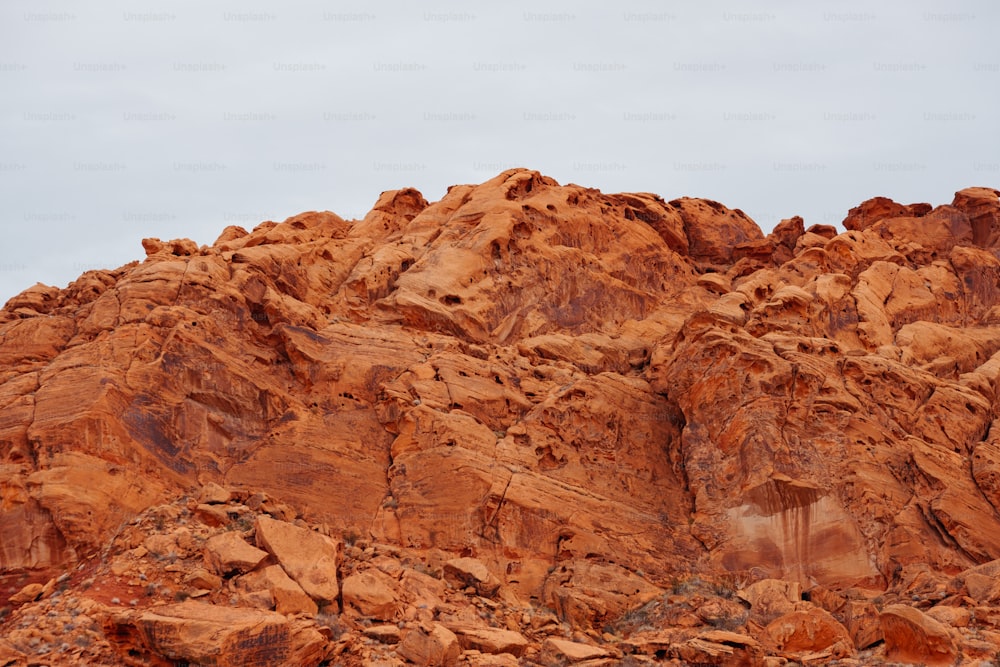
{"points": [[619, 408]]}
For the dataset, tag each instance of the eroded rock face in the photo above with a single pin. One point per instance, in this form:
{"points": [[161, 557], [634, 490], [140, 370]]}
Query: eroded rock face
{"points": [[811, 630], [912, 636], [583, 396], [197, 632], [871, 211]]}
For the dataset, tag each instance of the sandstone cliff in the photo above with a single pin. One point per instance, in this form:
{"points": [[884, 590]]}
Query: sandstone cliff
{"points": [[612, 407]]}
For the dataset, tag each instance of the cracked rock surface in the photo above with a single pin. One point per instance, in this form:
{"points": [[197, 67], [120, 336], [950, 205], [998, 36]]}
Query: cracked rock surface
{"points": [[528, 422]]}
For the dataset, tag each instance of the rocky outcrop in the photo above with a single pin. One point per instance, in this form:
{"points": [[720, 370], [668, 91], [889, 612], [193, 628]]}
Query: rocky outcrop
{"points": [[810, 630], [200, 633], [913, 637], [613, 407], [868, 213]]}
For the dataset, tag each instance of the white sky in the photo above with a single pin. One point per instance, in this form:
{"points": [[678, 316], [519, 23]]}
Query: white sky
{"points": [[124, 119]]}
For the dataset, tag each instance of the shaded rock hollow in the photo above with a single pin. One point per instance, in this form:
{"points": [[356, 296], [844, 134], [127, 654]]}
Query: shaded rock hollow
{"points": [[547, 378]]}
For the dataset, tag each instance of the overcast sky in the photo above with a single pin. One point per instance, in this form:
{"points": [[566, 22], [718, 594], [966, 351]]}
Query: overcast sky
{"points": [[135, 118]]}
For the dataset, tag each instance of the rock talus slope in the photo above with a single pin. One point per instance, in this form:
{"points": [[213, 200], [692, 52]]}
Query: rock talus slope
{"points": [[680, 437]]}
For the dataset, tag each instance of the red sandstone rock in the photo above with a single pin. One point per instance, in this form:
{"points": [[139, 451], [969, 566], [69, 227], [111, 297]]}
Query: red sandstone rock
{"points": [[202, 578], [771, 598], [431, 646], [307, 556], [471, 572], [29, 593], [490, 640], [387, 634], [592, 395], [955, 617], [371, 594], [288, 596], [912, 636], [556, 651], [812, 629], [873, 210], [209, 634], [982, 205], [713, 230], [227, 553], [213, 494], [585, 592], [862, 622]]}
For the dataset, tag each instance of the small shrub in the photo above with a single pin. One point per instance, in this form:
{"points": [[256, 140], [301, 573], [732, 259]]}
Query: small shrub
{"points": [[723, 590], [331, 621], [243, 524], [682, 586], [640, 618]]}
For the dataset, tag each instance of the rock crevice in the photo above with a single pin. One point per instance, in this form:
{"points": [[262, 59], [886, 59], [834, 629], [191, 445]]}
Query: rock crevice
{"points": [[597, 396]]}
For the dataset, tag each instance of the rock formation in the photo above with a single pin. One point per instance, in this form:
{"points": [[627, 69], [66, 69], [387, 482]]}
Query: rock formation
{"points": [[527, 422]]}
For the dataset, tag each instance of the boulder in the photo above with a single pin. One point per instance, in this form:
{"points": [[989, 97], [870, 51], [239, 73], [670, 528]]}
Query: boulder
{"points": [[489, 640], [913, 636], [202, 578], [771, 598], [386, 634], [371, 594], [582, 592], [462, 572], [561, 651], [228, 553], [200, 633], [955, 617], [430, 646], [808, 630], [310, 558], [213, 494], [211, 515], [287, 596], [29, 593], [862, 622]]}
